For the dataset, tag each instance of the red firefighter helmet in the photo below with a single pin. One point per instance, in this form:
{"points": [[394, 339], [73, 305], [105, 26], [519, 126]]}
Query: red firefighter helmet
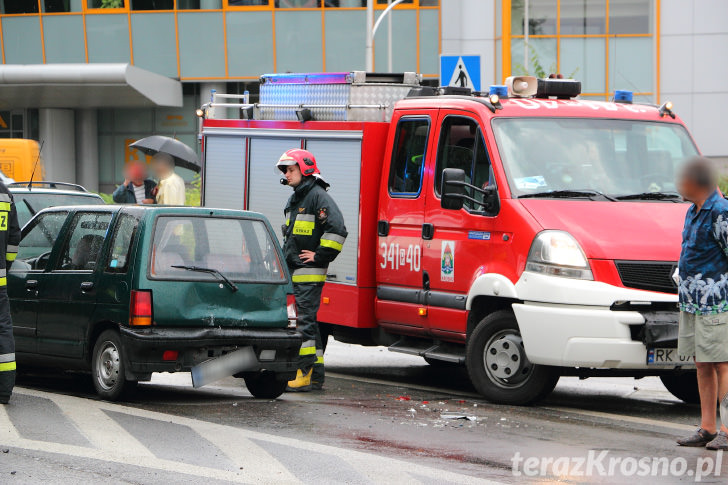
{"points": [[303, 158]]}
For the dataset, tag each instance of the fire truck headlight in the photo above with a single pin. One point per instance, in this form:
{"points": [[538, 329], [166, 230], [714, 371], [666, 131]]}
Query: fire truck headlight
{"points": [[557, 253]]}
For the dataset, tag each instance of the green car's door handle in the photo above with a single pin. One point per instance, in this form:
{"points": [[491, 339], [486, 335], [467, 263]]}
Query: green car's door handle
{"points": [[87, 286], [31, 285]]}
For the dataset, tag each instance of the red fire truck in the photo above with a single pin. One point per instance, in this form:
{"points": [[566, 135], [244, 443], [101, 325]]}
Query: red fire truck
{"points": [[523, 232]]}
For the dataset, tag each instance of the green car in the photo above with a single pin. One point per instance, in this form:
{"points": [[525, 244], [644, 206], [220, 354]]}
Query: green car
{"points": [[124, 291]]}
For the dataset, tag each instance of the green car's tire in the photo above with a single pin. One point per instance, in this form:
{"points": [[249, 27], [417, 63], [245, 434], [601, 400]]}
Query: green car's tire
{"points": [[265, 385], [107, 367]]}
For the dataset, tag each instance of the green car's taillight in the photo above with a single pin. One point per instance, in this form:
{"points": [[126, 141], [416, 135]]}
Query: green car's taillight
{"points": [[140, 308]]}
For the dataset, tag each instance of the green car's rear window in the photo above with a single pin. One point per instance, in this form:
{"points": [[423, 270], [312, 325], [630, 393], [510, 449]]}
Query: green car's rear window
{"points": [[240, 249]]}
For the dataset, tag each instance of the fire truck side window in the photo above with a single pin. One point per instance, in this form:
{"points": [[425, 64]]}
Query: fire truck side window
{"points": [[462, 146], [408, 157]]}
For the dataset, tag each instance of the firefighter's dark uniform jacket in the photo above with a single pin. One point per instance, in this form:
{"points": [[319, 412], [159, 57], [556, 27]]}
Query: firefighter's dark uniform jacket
{"points": [[9, 240], [314, 223]]}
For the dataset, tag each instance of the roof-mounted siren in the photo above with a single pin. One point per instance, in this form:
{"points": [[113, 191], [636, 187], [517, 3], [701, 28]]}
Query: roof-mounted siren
{"points": [[558, 88], [521, 86]]}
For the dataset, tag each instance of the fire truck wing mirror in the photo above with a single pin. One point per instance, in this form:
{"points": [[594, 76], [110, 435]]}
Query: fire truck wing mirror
{"points": [[453, 188], [491, 202]]}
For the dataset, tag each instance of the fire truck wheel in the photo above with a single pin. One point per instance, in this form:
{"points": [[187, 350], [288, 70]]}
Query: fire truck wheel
{"points": [[265, 385], [683, 386], [498, 366]]}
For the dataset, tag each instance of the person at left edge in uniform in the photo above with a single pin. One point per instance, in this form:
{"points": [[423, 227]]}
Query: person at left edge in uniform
{"points": [[314, 235], [9, 240]]}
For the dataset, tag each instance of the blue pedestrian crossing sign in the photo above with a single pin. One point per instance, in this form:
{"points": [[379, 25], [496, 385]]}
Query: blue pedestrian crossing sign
{"points": [[460, 71]]}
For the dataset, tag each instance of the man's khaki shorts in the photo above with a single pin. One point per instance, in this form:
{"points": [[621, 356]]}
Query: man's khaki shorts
{"points": [[704, 337]]}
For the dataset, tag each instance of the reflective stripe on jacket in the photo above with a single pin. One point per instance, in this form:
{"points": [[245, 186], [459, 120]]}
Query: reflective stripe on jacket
{"points": [[314, 223], [9, 232]]}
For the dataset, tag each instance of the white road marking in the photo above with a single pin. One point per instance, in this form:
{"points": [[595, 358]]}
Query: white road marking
{"points": [[257, 463], [102, 431], [7, 430], [653, 423], [258, 466]]}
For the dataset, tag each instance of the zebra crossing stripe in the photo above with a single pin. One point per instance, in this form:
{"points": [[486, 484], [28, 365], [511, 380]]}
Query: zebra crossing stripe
{"points": [[112, 443]]}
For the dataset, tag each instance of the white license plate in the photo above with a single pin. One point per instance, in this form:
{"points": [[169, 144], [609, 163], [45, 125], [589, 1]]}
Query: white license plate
{"points": [[662, 356]]}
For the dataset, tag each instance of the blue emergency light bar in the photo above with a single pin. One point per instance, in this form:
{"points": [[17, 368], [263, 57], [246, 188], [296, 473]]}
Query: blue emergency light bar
{"points": [[500, 90], [622, 96]]}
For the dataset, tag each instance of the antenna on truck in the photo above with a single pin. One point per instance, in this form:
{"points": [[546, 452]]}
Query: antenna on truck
{"points": [[37, 159]]}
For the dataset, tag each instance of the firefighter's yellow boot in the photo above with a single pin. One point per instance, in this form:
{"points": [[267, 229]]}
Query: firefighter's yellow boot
{"points": [[302, 382]]}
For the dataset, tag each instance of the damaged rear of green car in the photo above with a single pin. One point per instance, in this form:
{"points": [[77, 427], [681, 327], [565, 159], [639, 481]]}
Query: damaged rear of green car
{"points": [[128, 291]]}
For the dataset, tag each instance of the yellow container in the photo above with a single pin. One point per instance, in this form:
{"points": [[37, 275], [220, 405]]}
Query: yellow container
{"points": [[18, 159]]}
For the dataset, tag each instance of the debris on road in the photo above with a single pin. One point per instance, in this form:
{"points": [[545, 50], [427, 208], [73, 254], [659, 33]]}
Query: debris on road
{"points": [[458, 416], [403, 398]]}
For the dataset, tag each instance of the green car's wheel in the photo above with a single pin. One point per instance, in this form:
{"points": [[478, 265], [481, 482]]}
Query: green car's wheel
{"points": [[265, 385], [107, 367]]}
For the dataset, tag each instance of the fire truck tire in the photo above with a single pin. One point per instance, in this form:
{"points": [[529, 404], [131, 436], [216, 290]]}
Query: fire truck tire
{"points": [[498, 366], [107, 368], [683, 386], [265, 385]]}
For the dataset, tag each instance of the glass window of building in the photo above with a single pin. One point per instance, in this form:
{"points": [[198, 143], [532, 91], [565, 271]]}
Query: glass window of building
{"points": [[606, 44], [630, 16], [109, 4], [59, 6], [298, 3], [20, 6], [583, 17], [248, 3], [152, 4]]}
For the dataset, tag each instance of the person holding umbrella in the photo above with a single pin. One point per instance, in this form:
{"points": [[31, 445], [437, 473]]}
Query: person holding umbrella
{"points": [[171, 187], [168, 153]]}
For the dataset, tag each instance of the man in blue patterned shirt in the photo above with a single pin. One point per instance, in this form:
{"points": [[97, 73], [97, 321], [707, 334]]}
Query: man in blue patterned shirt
{"points": [[703, 291]]}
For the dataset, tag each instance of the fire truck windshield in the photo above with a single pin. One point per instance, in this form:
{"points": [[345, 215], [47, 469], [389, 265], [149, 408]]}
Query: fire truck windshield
{"points": [[624, 159]]}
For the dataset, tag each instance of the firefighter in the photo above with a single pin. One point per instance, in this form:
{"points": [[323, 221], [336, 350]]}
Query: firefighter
{"points": [[313, 235], [9, 240]]}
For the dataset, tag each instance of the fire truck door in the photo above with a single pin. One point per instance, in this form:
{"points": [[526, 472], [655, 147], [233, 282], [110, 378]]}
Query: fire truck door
{"points": [[460, 246], [400, 279]]}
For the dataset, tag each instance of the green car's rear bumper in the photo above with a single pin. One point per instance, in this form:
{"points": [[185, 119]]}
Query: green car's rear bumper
{"points": [[144, 349]]}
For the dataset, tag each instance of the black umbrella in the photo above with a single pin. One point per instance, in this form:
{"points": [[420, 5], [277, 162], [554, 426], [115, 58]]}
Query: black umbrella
{"points": [[183, 155]]}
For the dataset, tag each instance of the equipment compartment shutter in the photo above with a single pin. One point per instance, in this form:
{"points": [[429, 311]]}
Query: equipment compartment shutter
{"points": [[225, 172], [340, 165], [267, 195]]}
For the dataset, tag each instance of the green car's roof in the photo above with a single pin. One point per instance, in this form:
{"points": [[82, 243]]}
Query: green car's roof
{"points": [[163, 210]]}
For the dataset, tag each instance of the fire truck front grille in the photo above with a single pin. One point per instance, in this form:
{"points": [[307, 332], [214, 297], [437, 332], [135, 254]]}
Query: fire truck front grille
{"points": [[648, 275]]}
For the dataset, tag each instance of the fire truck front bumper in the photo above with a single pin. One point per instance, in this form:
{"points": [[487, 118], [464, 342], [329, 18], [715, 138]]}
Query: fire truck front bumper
{"points": [[589, 324]]}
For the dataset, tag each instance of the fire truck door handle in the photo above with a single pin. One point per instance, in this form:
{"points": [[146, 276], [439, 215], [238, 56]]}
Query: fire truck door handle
{"points": [[426, 281], [428, 231], [383, 228]]}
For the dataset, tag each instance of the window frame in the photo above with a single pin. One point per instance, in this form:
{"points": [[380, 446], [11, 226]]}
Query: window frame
{"points": [[132, 243], [478, 130], [278, 252], [54, 247], [404, 119], [67, 234]]}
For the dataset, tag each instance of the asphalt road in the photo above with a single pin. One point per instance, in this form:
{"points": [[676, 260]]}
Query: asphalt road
{"points": [[383, 418]]}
